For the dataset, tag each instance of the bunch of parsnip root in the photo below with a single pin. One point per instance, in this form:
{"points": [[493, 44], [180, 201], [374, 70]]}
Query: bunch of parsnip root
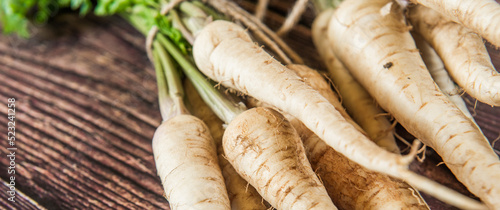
{"points": [[267, 131]]}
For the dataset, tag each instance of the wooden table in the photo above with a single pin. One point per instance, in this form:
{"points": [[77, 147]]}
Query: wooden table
{"points": [[86, 110]]}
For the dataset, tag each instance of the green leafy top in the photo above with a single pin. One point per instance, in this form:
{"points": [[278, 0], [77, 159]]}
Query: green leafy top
{"points": [[143, 15], [15, 14]]}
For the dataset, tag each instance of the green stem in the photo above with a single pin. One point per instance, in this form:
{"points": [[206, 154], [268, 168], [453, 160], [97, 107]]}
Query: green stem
{"points": [[208, 10], [192, 10], [136, 22], [194, 21], [164, 100], [322, 5], [175, 90], [150, 3], [187, 33], [223, 107]]}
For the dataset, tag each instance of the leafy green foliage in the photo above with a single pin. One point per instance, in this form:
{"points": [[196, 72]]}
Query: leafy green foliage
{"points": [[141, 17], [165, 25], [110, 7], [15, 14], [143, 14], [144, 18], [84, 5]]}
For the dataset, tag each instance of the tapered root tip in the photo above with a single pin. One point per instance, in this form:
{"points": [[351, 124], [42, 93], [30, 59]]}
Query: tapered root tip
{"points": [[407, 159], [441, 192]]}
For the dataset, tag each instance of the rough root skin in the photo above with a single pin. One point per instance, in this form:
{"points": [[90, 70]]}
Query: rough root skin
{"points": [[350, 185], [235, 59], [462, 51], [482, 16], [317, 113], [241, 195], [413, 98], [186, 161], [266, 150], [367, 189], [358, 102], [438, 72]]}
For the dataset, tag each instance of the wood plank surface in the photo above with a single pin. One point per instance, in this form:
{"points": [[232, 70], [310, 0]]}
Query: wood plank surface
{"points": [[86, 110]]}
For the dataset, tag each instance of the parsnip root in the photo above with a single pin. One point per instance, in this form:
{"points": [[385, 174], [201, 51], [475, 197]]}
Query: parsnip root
{"points": [[378, 49], [186, 161], [266, 150]]}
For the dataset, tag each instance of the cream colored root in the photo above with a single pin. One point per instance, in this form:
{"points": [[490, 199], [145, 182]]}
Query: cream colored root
{"points": [[260, 9], [406, 90], [266, 150], [273, 41], [462, 51], [440, 75], [293, 18], [348, 184], [274, 84], [482, 16], [314, 79], [186, 161], [352, 186], [358, 102], [241, 195], [236, 62]]}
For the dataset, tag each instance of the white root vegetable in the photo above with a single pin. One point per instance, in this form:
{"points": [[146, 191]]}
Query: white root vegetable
{"points": [[241, 195], [186, 161], [440, 75], [358, 102], [183, 149], [314, 79], [221, 42], [482, 16], [350, 185], [293, 18], [372, 40], [225, 53], [266, 150], [260, 9], [462, 51]]}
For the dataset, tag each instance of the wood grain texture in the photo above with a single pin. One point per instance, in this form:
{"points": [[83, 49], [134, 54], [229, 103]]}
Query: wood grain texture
{"points": [[86, 111]]}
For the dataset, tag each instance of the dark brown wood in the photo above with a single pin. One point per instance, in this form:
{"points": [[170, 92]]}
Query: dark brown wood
{"points": [[85, 114], [21, 200], [86, 111]]}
